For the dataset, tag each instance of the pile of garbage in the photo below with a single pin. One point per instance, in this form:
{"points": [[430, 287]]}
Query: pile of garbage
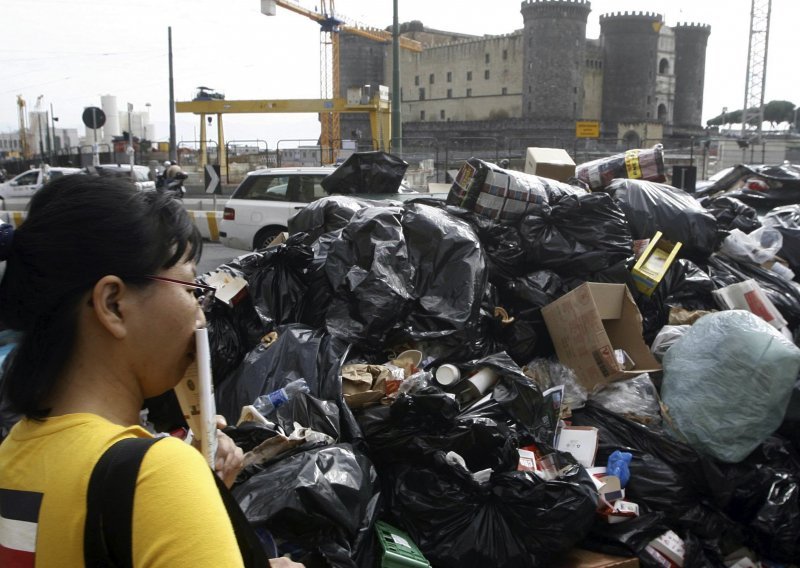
{"points": [[529, 367], [522, 369]]}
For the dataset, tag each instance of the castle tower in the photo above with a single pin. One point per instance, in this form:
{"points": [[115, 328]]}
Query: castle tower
{"points": [[690, 68], [361, 62], [555, 38], [630, 46]]}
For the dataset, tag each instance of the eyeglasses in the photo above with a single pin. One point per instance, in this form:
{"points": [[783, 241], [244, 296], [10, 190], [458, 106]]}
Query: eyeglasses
{"points": [[203, 293]]}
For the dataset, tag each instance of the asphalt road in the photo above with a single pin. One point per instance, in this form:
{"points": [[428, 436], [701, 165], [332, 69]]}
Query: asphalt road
{"points": [[215, 255]]}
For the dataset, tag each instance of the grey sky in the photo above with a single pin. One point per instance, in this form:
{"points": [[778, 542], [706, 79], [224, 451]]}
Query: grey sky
{"points": [[73, 52]]}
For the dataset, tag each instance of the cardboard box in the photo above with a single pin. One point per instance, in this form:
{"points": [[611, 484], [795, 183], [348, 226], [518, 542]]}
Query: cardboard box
{"points": [[589, 323], [553, 163], [654, 263], [577, 558]]}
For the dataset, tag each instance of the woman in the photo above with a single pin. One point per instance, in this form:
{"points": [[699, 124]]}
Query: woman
{"points": [[99, 278]]}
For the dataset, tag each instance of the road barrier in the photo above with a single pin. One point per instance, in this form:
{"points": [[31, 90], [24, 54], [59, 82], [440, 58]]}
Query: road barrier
{"points": [[206, 221]]}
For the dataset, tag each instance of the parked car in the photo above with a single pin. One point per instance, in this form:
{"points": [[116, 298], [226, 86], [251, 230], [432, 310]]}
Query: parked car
{"points": [[26, 183], [142, 176], [260, 208]]}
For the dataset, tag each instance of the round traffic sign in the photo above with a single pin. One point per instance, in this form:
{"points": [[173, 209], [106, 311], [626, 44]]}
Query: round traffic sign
{"points": [[93, 117]]}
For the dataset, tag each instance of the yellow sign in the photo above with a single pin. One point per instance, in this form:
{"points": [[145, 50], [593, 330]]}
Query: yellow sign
{"points": [[587, 129]]}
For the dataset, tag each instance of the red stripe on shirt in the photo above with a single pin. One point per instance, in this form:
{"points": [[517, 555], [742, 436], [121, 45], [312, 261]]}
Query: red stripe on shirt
{"points": [[10, 558]]}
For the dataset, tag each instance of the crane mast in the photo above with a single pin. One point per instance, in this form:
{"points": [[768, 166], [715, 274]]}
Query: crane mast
{"points": [[753, 110]]}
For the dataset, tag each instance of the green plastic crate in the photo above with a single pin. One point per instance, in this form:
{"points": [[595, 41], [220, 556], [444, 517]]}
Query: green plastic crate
{"points": [[399, 551]]}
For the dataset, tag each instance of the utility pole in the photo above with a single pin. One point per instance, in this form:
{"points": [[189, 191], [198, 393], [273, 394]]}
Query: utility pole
{"points": [[397, 126], [173, 149], [53, 120], [756, 66]]}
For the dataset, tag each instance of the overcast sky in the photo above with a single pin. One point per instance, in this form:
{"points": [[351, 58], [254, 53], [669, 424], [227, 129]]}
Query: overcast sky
{"points": [[74, 51]]}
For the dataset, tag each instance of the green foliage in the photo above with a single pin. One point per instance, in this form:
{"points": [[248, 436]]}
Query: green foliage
{"points": [[776, 112]]}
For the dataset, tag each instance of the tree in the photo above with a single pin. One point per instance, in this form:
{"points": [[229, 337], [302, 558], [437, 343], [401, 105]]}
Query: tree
{"points": [[776, 112]]}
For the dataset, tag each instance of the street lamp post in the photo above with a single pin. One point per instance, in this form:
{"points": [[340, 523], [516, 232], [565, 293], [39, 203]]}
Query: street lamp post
{"points": [[130, 148]]}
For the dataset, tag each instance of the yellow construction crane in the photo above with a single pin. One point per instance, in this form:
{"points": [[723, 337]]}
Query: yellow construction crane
{"points": [[23, 131], [330, 26]]}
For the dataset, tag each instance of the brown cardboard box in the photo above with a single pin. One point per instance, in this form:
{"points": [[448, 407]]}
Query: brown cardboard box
{"points": [[589, 323], [553, 163], [577, 558]]}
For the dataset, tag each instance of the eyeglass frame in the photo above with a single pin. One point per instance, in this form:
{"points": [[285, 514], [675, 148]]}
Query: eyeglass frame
{"points": [[204, 298]]}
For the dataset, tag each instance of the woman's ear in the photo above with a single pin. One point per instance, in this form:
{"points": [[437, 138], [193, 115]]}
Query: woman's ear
{"points": [[107, 296]]}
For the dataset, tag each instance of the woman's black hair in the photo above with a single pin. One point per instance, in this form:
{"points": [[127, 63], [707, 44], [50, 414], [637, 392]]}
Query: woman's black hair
{"points": [[78, 229]]}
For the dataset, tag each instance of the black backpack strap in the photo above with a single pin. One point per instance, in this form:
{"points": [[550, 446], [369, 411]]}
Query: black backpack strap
{"points": [[250, 546], [108, 530]]}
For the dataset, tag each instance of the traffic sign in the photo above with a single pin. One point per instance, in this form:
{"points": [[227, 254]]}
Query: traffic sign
{"points": [[212, 180], [93, 117], [587, 129]]}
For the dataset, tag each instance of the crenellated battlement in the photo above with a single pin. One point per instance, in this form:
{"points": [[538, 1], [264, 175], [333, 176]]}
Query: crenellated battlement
{"points": [[693, 27], [575, 8], [641, 16]]}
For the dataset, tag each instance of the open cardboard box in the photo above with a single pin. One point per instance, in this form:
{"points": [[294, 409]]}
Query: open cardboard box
{"points": [[589, 323], [654, 263]]}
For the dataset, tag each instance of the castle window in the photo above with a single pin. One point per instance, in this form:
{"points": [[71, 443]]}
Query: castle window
{"points": [[416, 80], [504, 91], [469, 92], [422, 115], [663, 66], [469, 75], [662, 112], [486, 74], [449, 93], [431, 78], [449, 76], [441, 114], [505, 54], [487, 58], [422, 93]]}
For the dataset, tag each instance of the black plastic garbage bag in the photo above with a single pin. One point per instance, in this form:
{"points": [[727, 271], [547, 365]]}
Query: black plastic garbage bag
{"points": [[372, 277], [576, 235], [527, 337], [326, 215], [513, 519], [309, 412], [675, 487], [685, 285], [410, 274], [367, 172], [298, 353], [767, 500], [324, 500], [651, 207], [733, 214], [785, 294], [275, 280], [449, 274], [786, 220]]}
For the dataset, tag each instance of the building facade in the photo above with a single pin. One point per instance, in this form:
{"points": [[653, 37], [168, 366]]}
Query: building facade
{"points": [[545, 76]]}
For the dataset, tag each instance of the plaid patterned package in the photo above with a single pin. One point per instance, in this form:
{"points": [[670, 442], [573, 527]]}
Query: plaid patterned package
{"points": [[502, 195], [647, 165]]}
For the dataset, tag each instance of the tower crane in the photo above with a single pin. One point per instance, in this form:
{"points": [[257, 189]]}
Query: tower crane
{"points": [[23, 131], [756, 79], [330, 26]]}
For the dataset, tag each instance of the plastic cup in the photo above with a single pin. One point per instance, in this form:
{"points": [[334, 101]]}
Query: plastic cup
{"points": [[447, 374]]}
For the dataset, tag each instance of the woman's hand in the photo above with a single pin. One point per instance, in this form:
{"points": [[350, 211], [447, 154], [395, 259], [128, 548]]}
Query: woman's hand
{"points": [[284, 563], [230, 459]]}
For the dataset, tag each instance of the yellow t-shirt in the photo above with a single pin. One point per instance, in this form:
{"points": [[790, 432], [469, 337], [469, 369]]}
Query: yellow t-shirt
{"points": [[179, 518]]}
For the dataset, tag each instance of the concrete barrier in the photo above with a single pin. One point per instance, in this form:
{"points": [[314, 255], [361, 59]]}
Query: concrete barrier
{"points": [[206, 221]]}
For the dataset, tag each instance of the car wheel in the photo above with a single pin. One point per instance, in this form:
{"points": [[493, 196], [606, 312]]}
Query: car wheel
{"points": [[266, 236]]}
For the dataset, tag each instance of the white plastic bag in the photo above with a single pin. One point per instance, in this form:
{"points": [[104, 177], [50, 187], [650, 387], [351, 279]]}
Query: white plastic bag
{"points": [[727, 383], [758, 247]]}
